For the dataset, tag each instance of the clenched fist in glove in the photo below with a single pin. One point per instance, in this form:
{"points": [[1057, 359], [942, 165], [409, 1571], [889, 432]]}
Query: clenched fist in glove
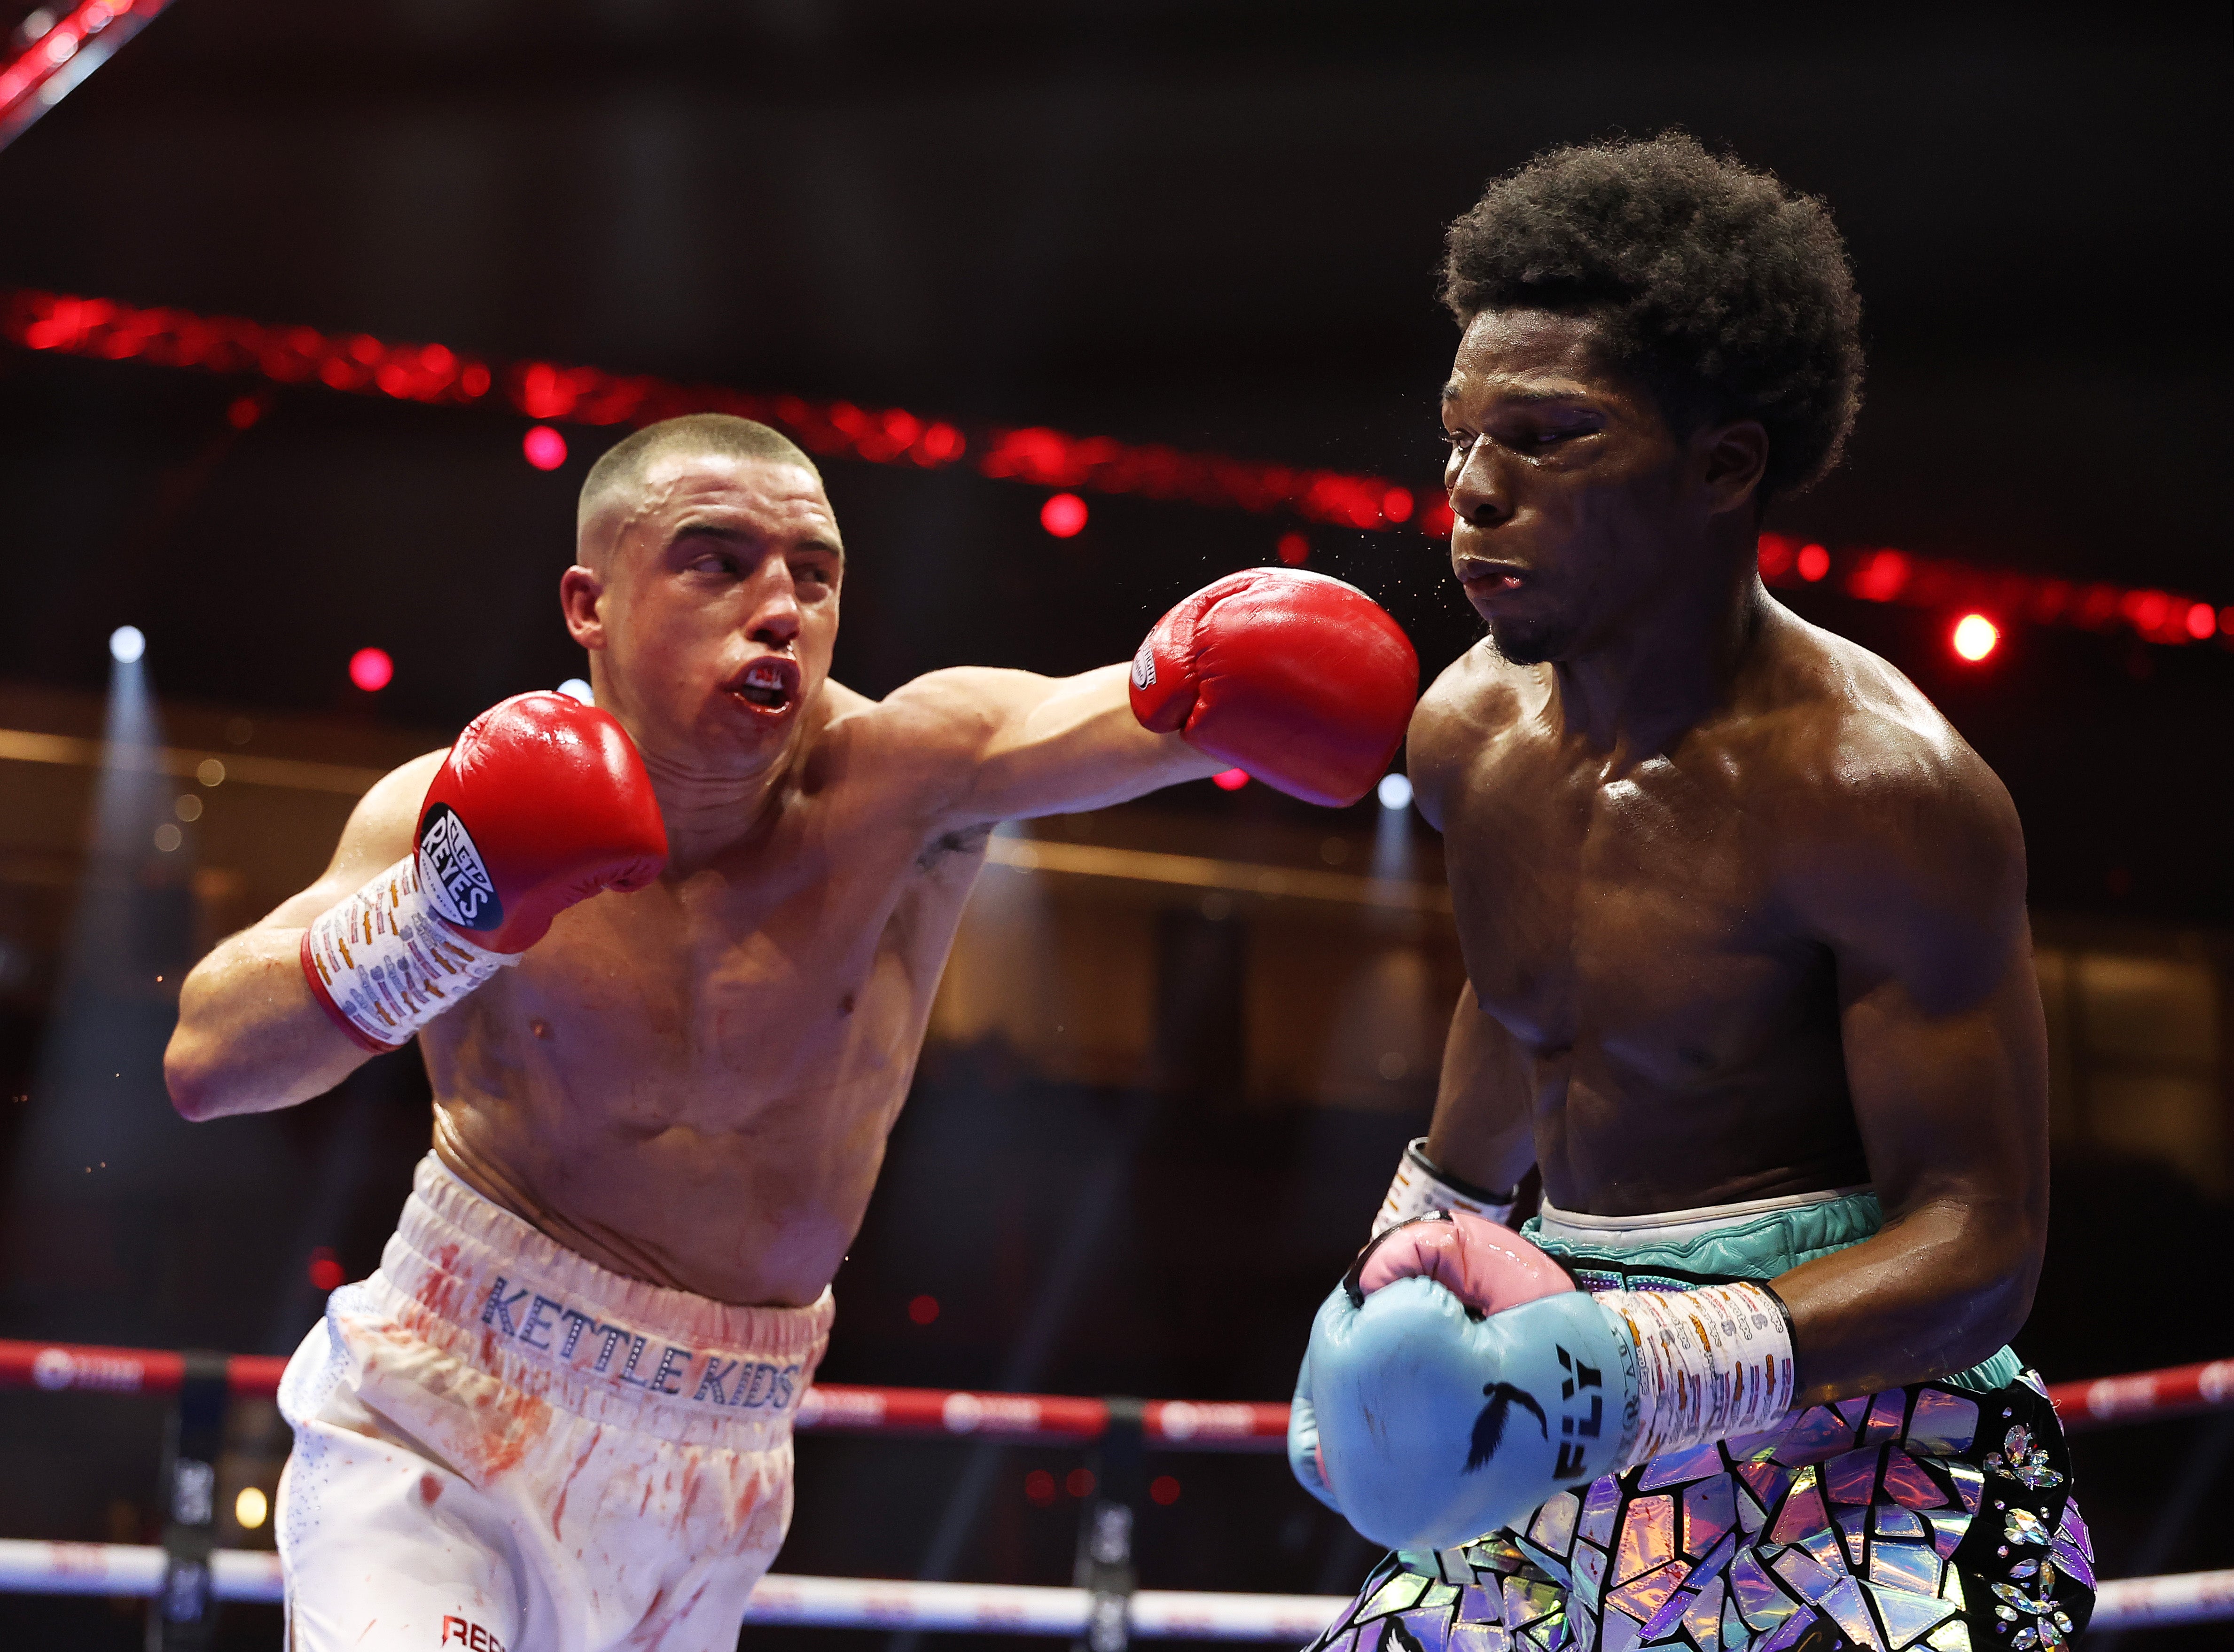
{"points": [[1456, 1379], [542, 802], [1300, 680]]}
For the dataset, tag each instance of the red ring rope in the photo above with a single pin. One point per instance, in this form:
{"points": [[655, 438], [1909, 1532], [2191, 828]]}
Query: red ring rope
{"points": [[1039, 1419]]}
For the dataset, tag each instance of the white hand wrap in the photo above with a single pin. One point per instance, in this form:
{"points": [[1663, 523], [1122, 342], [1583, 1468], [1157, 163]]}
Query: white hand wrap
{"points": [[1419, 1188], [387, 964], [1711, 1363]]}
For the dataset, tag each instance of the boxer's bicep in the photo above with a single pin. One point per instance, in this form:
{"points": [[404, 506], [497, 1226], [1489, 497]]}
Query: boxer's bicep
{"points": [[249, 1036], [1016, 744], [1945, 1054]]}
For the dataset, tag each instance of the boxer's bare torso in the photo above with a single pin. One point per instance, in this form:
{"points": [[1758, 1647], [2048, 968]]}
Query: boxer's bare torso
{"points": [[692, 1084], [1742, 916], [1645, 934]]}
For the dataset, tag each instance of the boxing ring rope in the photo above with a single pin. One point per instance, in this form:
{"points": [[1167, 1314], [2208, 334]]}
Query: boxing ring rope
{"points": [[139, 1570]]}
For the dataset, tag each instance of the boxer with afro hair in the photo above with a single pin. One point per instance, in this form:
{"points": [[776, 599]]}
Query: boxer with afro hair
{"points": [[1725, 294]]}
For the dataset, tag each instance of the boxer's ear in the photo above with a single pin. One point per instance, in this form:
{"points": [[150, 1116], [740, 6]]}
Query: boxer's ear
{"points": [[580, 591], [1730, 461]]}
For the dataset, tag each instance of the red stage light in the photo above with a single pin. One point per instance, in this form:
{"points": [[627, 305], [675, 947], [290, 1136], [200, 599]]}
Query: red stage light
{"points": [[1079, 1482], [1879, 580], [244, 411], [2226, 621], [1063, 515], [2201, 621], [371, 669], [325, 1270], [1164, 1489], [1975, 636], [1230, 780], [1039, 1486], [923, 1310], [545, 447], [1295, 549], [103, 330]]}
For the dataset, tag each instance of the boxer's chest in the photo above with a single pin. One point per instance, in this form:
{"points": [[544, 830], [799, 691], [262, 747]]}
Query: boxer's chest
{"points": [[1630, 914], [801, 972]]}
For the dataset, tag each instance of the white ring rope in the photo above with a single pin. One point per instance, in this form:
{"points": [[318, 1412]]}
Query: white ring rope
{"points": [[987, 1608]]}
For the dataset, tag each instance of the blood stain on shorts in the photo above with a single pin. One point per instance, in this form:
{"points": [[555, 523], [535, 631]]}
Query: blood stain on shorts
{"points": [[429, 1488]]}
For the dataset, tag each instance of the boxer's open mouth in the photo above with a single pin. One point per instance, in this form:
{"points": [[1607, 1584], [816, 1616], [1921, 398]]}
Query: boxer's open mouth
{"points": [[770, 684], [1492, 576]]}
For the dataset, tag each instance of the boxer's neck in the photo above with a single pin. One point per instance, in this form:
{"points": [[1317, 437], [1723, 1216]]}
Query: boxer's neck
{"points": [[709, 811], [1635, 694]]}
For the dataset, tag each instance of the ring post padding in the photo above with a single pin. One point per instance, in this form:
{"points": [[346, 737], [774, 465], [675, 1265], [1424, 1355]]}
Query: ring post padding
{"points": [[185, 1610], [1105, 1567]]}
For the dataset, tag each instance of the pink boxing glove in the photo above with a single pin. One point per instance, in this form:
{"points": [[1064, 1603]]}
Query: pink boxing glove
{"points": [[1487, 1267]]}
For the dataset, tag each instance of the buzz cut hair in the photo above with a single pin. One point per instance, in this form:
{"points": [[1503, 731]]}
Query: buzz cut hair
{"points": [[1727, 295], [620, 467]]}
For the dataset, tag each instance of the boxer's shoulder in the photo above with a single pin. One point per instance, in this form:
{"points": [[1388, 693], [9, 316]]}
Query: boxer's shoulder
{"points": [[381, 827], [897, 760], [1841, 737], [1890, 831], [1477, 697]]}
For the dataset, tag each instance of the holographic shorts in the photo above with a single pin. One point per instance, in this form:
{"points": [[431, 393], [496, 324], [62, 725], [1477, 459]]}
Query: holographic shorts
{"points": [[1921, 1516]]}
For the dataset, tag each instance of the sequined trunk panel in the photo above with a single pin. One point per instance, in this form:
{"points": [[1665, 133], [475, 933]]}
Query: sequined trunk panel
{"points": [[1920, 1518]]}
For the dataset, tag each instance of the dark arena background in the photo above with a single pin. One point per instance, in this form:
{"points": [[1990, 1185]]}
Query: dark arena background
{"points": [[312, 319]]}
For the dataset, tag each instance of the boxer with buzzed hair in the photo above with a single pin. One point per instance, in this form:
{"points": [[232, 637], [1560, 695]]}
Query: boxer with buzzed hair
{"points": [[669, 961], [1749, 980]]}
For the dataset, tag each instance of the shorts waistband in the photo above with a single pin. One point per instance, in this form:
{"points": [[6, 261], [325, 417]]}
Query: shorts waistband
{"points": [[473, 1278], [1662, 1227]]}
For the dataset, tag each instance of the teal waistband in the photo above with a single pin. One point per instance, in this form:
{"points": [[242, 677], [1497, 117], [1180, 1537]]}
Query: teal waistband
{"points": [[1747, 1247], [1758, 1247]]}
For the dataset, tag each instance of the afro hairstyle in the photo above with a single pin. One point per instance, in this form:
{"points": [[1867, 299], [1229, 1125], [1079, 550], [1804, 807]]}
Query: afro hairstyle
{"points": [[1725, 295]]}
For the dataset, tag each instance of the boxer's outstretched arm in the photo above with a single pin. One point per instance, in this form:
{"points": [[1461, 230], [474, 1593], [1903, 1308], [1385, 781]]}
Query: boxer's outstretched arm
{"points": [[1020, 745], [250, 1038], [1920, 896]]}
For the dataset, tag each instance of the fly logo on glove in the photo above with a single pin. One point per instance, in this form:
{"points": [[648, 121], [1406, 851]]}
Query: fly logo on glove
{"points": [[453, 873], [1435, 1368], [1577, 1428]]}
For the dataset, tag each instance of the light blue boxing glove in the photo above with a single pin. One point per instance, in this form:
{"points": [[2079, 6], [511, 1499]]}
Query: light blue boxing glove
{"points": [[1304, 1439], [1456, 1379]]}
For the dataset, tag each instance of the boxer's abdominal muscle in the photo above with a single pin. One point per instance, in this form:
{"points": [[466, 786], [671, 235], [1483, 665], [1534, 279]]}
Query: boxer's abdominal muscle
{"points": [[1679, 1050], [693, 1085], [1650, 990]]}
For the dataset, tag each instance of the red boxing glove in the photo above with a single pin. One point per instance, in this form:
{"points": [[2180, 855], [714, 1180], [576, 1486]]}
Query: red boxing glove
{"points": [[542, 802], [1302, 680]]}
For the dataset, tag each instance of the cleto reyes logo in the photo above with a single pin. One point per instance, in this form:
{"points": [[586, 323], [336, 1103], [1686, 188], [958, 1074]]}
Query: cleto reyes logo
{"points": [[456, 1631], [451, 869], [1144, 667]]}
